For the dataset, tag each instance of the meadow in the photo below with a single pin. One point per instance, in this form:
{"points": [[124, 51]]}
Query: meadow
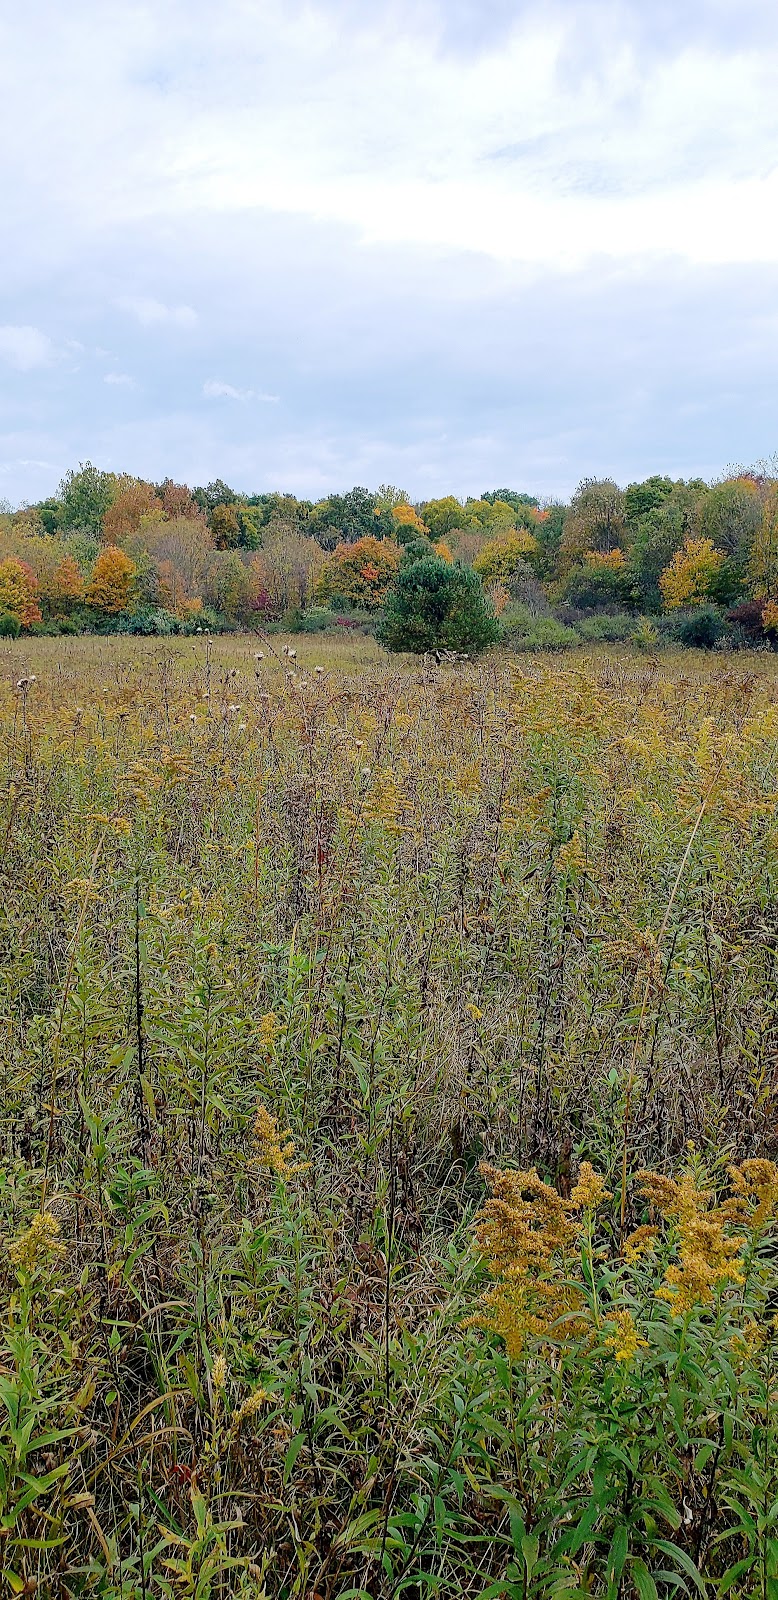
{"points": [[388, 1122]]}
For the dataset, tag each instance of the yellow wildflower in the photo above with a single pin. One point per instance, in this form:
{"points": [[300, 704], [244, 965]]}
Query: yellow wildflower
{"points": [[626, 1341], [473, 1011], [269, 1029], [571, 857], [590, 1191], [273, 1155], [40, 1240], [755, 1184], [707, 1257], [219, 1374], [251, 1405], [640, 1242]]}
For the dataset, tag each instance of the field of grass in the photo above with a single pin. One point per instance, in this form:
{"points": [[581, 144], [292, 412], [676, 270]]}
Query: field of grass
{"points": [[355, 1014]]}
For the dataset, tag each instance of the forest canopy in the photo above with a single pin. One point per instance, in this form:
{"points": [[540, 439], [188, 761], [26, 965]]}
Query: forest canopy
{"points": [[111, 551]]}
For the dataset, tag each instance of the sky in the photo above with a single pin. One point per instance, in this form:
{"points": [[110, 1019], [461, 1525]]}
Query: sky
{"points": [[452, 245]]}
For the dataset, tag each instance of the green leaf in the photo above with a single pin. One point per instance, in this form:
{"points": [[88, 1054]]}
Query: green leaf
{"points": [[642, 1579], [684, 1561]]}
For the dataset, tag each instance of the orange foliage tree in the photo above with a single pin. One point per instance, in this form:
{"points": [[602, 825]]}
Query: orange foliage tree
{"points": [[111, 587], [687, 579], [19, 591], [67, 584], [360, 573], [133, 502]]}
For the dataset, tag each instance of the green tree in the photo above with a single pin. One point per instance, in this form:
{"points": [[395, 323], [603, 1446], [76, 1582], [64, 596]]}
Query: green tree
{"points": [[344, 518], [442, 516], [435, 605], [49, 514], [86, 496], [510, 497], [731, 516], [655, 537], [646, 496], [596, 519], [214, 494]]}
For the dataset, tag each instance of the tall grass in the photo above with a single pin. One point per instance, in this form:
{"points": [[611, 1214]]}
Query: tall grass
{"points": [[301, 955]]}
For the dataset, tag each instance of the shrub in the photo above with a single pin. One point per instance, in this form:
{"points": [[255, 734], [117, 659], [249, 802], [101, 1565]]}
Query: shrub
{"points": [[315, 620], [607, 629], [10, 626], [646, 635], [149, 621], [527, 632], [435, 605], [699, 628], [748, 620]]}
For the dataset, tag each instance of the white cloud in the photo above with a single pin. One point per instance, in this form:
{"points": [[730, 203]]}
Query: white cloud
{"points": [[25, 348], [150, 312], [120, 379], [214, 389]]}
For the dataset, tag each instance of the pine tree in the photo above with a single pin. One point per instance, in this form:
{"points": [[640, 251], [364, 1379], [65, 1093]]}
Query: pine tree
{"points": [[435, 605]]}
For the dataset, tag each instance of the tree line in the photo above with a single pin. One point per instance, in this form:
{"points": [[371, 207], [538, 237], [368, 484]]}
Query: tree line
{"points": [[112, 552]]}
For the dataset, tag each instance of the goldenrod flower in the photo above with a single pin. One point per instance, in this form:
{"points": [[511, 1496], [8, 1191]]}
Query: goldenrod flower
{"points": [[626, 1341], [41, 1240], [590, 1191], [273, 1155], [640, 1242]]}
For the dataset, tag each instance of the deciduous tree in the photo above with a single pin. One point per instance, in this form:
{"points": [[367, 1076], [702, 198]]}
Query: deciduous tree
{"points": [[360, 573], [500, 558], [135, 502], [19, 591], [110, 589], [687, 581]]}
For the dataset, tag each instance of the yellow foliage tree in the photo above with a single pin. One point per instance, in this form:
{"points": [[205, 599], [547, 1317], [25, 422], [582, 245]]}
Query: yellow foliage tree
{"points": [[687, 579], [111, 587], [607, 561], [406, 517], [19, 591], [500, 558]]}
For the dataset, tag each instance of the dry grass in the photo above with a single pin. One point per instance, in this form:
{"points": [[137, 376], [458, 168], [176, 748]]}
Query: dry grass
{"points": [[417, 917]]}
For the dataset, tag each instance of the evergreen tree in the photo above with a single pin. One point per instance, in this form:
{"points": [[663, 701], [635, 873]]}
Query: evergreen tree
{"points": [[435, 605]]}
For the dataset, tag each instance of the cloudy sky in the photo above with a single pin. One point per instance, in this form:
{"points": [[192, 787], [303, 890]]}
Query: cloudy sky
{"points": [[451, 244]]}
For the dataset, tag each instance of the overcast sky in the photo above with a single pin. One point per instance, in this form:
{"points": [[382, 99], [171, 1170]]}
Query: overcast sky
{"points": [[450, 244]]}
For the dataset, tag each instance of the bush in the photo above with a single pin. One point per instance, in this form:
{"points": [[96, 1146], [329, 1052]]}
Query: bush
{"points": [[699, 628], [646, 635], [313, 620], [749, 631], [525, 631], [45, 630], [150, 621], [608, 629], [10, 626], [435, 605]]}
